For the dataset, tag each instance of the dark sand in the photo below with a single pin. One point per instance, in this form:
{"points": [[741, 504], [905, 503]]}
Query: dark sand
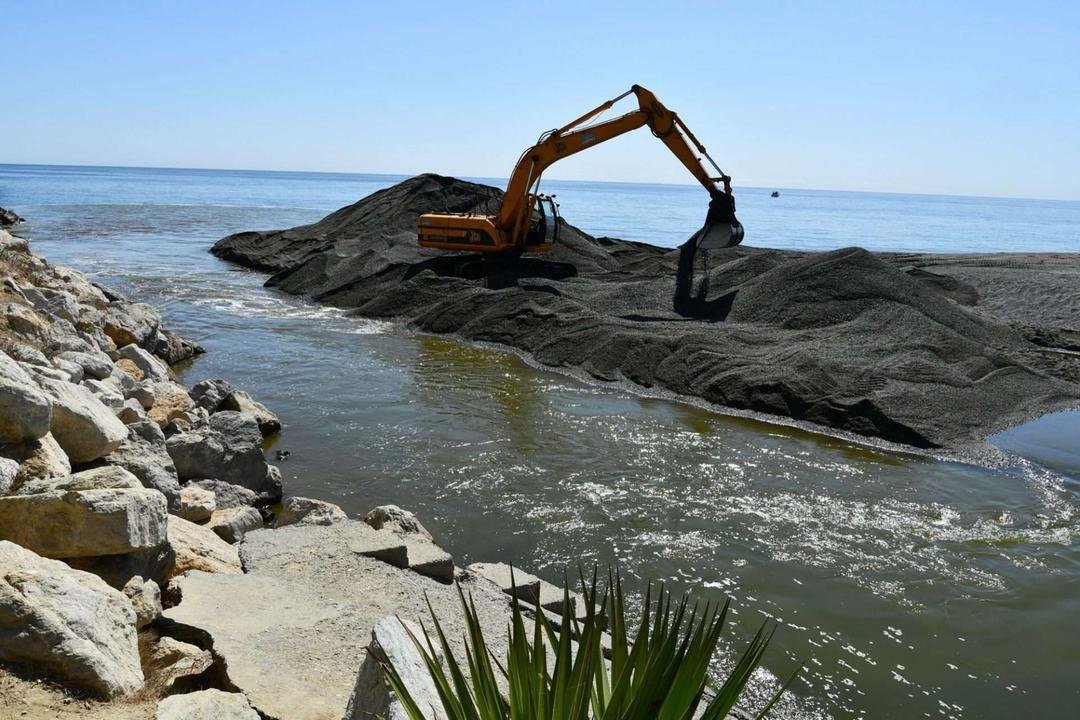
{"points": [[931, 351]]}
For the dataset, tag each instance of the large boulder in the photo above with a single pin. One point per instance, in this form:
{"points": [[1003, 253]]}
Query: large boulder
{"points": [[209, 394], [54, 303], [104, 477], [173, 659], [151, 367], [228, 448], [25, 411], [27, 354], [126, 322], [143, 454], [41, 458], [226, 495], [196, 504], [308, 511], [395, 519], [95, 365], [241, 402], [206, 705], [231, 524], [392, 645], [68, 621], [171, 401], [104, 511], [425, 557], [26, 321], [109, 396], [198, 548], [85, 428], [172, 348]]}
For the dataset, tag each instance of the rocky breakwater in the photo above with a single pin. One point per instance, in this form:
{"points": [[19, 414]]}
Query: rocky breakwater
{"points": [[151, 564], [931, 351]]}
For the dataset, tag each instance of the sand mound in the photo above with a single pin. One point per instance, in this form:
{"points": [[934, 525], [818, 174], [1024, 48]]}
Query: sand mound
{"points": [[869, 344]]}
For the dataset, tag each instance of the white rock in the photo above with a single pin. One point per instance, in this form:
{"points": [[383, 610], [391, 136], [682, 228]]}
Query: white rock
{"points": [[106, 393], [25, 411], [69, 522], [131, 412], [508, 579], [206, 705], [226, 495], [127, 322], [9, 470], [28, 355], [120, 380], [143, 454], [85, 428], [53, 302], [391, 517], [231, 524], [41, 458], [145, 598], [68, 621], [173, 659], [99, 478], [307, 511], [198, 548], [152, 368], [49, 372], [196, 504], [143, 392], [392, 644], [72, 370], [95, 365]]}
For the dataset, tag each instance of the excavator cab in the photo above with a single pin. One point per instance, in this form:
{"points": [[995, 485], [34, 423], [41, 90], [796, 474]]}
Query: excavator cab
{"points": [[543, 224]]}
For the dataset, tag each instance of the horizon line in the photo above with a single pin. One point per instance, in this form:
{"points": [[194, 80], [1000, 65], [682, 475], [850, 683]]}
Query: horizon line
{"points": [[491, 177]]}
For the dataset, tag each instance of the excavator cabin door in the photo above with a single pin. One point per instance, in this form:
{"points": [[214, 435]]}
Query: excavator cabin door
{"points": [[543, 223]]}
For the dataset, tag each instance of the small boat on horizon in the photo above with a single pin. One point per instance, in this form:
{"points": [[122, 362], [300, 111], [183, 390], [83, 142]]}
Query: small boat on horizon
{"points": [[776, 193]]}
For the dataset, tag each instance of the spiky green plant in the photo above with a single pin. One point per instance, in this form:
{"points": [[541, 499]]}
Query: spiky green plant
{"points": [[660, 673]]}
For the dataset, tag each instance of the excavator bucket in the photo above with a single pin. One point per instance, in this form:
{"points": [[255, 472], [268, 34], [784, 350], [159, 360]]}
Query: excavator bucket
{"points": [[721, 229]]}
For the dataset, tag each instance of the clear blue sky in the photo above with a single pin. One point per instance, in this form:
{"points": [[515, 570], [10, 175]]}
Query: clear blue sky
{"points": [[976, 98]]}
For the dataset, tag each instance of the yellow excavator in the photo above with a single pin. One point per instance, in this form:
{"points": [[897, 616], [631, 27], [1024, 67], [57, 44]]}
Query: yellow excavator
{"points": [[528, 221]]}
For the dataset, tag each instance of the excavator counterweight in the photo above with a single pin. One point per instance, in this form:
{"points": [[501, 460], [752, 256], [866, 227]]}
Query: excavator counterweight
{"points": [[528, 221]]}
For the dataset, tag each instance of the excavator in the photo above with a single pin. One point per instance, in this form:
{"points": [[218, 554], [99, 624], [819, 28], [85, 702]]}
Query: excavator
{"points": [[528, 221]]}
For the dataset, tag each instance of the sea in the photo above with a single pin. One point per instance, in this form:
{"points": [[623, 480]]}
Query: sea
{"points": [[907, 586]]}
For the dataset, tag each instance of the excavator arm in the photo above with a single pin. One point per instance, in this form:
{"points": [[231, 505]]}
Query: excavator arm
{"points": [[508, 229]]}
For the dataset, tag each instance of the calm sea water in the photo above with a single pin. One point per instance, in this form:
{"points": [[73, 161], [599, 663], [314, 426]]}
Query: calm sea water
{"points": [[911, 587]]}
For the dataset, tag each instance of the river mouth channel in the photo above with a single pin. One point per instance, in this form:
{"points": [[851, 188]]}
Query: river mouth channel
{"points": [[911, 587]]}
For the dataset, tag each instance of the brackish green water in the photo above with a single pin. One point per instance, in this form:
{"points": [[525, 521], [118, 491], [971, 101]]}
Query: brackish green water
{"points": [[911, 587]]}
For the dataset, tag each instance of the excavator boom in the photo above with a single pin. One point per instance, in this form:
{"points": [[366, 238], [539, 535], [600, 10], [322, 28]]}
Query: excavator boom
{"points": [[528, 221]]}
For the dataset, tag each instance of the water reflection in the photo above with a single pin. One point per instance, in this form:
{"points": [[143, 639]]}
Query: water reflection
{"points": [[444, 368]]}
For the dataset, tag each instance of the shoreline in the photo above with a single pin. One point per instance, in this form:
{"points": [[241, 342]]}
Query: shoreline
{"points": [[165, 560]]}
